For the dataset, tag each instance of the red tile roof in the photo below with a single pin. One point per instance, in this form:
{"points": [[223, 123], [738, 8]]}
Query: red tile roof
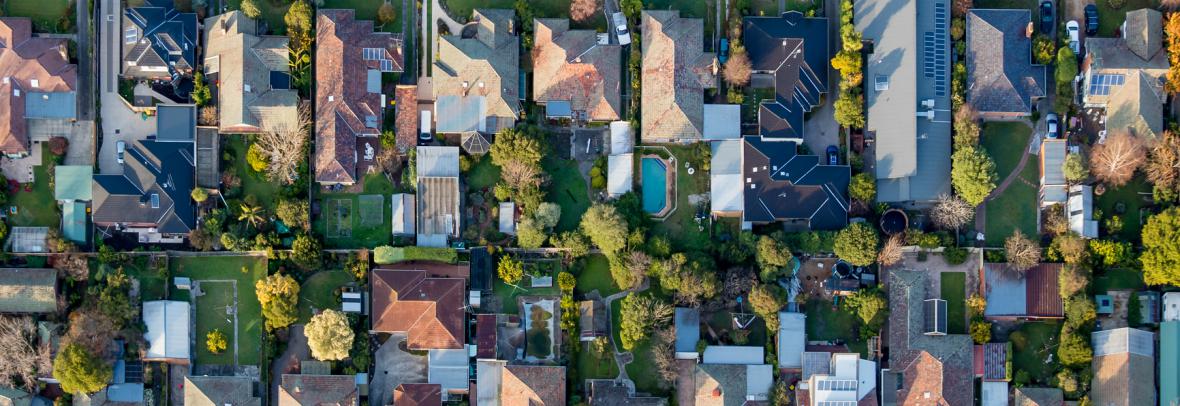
{"points": [[407, 119], [429, 310], [23, 60], [417, 394], [1043, 295], [485, 336]]}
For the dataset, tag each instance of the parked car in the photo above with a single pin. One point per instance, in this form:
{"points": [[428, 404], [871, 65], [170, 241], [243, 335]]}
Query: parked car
{"points": [[1071, 28], [1046, 17], [424, 132], [1052, 126], [120, 147], [833, 155], [1091, 19], [724, 54], [621, 28]]}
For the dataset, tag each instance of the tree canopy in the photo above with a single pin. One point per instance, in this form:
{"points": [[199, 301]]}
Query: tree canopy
{"points": [[605, 228], [973, 174], [329, 335], [279, 296], [863, 188], [80, 371], [1161, 252], [510, 270], [857, 244]]}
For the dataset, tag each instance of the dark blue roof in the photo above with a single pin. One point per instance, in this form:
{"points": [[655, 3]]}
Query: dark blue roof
{"points": [[794, 49], [785, 186], [167, 30]]}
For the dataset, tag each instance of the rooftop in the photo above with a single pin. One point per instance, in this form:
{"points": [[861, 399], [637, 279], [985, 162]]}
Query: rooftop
{"points": [[572, 66], [249, 100], [794, 49], [1124, 367], [781, 185], [429, 310], [318, 390], [34, 68], [500, 384], [159, 38], [675, 71], [153, 190], [1001, 76], [931, 367], [480, 72], [219, 391]]}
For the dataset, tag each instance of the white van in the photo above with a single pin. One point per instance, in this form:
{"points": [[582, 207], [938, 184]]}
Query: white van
{"points": [[424, 133]]}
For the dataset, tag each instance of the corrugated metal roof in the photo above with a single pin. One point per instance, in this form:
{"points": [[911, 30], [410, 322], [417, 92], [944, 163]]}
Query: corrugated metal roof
{"points": [[73, 221], [733, 355], [72, 182], [792, 339], [167, 329], [1169, 363], [28, 290], [620, 174]]}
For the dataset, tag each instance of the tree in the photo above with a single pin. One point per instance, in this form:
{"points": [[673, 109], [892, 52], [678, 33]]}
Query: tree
{"points": [[510, 270], [772, 256], [294, 213], [250, 9], [1071, 247], [329, 336], [547, 215], [1074, 168], [850, 110], [1111, 253], [199, 195], [891, 252], [966, 125], [1072, 280], [863, 188], [299, 18], [1080, 311], [574, 243], [981, 331], [951, 212], [386, 13], [80, 371], [251, 214], [583, 10], [639, 313], [1074, 350], [215, 341], [1114, 162], [200, 94], [1067, 67], [1161, 253], [566, 282], [278, 295], [529, 233], [737, 68], [766, 300], [1022, 253], [1172, 43], [851, 66], [22, 359], [631, 8], [973, 174], [256, 158], [305, 252], [857, 244], [208, 116], [870, 306], [1043, 50], [283, 145], [605, 228]]}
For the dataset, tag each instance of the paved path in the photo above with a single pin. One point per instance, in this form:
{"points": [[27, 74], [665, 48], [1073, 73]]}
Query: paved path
{"points": [[85, 62], [981, 210], [288, 362], [622, 358]]}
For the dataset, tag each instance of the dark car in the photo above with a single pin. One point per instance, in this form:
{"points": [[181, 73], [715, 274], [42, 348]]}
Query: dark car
{"points": [[1091, 19], [833, 155], [1046, 16]]}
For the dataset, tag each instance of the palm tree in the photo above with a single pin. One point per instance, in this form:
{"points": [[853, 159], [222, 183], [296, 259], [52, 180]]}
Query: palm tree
{"points": [[251, 214]]}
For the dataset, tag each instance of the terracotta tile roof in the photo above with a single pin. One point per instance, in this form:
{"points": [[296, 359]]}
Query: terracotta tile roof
{"points": [[606, 392], [500, 384], [23, 61], [1037, 397], [407, 118], [485, 336], [429, 310], [486, 65], [940, 366], [245, 63], [318, 390], [347, 105], [1043, 294], [570, 65], [676, 70], [417, 394], [219, 391]]}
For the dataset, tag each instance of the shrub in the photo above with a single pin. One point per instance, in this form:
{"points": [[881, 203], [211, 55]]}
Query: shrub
{"points": [[981, 331], [955, 255], [215, 341], [257, 158], [391, 255]]}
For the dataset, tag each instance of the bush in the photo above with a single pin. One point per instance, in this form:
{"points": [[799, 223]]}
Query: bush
{"points": [[215, 341], [955, 255], [981, 331], [391, 255], [1018, 339], [257, 158], [857, 244]]}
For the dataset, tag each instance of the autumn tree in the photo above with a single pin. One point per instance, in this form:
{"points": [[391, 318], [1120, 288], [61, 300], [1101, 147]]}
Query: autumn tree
{"points": [[738, 68], [1114, 162], [299, 24], [891, 252], [510, 270], [199, 195], [1072, 280], [583, 10], [966, 126], [951, 212], [250, 8], [1022, 253], [1071, 247], [973, 174], [216, 342], [329, 335], [80, 371], [1172, 43], [278, 295], [22, 359], [386, 13], [284, 144], [1161, 252], [1163, 167]]}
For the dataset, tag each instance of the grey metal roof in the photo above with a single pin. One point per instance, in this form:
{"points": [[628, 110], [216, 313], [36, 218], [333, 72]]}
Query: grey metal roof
{"points": [[912, 154], [688, 329], [58, 105], [457, 114], [781, 185], [176, 122], [1001, 76]]}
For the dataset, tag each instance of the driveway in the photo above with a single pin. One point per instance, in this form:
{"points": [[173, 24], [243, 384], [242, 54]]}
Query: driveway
{"points": [[393, 367], [288, 362], [119, 123], [821, 129]]}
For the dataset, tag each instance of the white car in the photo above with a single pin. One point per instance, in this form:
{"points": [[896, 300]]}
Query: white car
{"points": [[1071, 28], [621, 28], [119, 148]]}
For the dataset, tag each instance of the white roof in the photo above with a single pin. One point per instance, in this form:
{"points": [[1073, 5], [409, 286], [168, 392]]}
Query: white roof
{"points": [[725, 175], [723, 122], [733, 355], [167, 329], [1123, 340], [849, 380], [1171, 306], [620, 174], [447, 368], [622, 137], [792, 339], [759, 379], [995, 393], [1080, 211], [508, 218], [403, 214], [440, 162]]}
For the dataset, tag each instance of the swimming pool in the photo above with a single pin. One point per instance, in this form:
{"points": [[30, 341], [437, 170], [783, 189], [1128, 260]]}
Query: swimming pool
{"points": [[655, 184]]}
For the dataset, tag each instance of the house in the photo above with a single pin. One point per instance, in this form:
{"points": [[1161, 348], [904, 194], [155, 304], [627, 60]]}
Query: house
{"points": [[789, 53], [1169, 362], [39, 90], [429, 310], [1030, 295], [908, 117], [837, 379], [16, 397], [730, 384], [688, 332], [792, 340], [500, 384], [219, 391], [620, 164], [798, 190], [349, 103], [576, 73], [1125, 76], [1054, 189], [1003, 82], [448, 368], [72, 191], [607, 392], [167, 332], [726, 194], [675, 73], [593, 319], [438, 195], [404, 214], [1080, 210], [254, 94], [406, 119], [159, 42], [1027, 396], [923, 367], [1124, 367], [417, 394], [28, 290], [316, 390], [476, 79], [151, 197]]}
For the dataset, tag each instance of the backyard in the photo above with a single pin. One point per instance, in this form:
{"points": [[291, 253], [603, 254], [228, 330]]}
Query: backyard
{"points": [[568, 189], [320, 291], [593, 272], [681, 225], [47, 16], [769, 8], [506, 294], [225, 286], [34, 208], [640, 369], [1015, 209], [825, 323], [954, 292], [460, 10], [355, 220], [152, 282], [1133, 197], [1110, 19], [1038, 354], [596, 366], [253, 183], [1117, 279], [272, 12]]}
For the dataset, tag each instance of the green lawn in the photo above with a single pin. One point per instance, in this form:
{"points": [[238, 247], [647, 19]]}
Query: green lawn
{"points": [[1015, 209], [367, 236], [680, 226], [954, 292], [35, 208], [45, 14], [591, 366], [152, 284], [460, 10], [1031, 5], [568, 189], [507, 294], [1109, 20], [826, 324], [1006, 142], [1039, 355], [216, 273], [1118, 278], [272, 12], [253, 183], [483, 174], [1131, 196], [595, 275], [640, 370], [318, 292]]}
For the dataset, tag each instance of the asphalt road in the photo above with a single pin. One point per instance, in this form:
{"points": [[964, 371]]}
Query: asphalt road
{"points": [[85, 63]]}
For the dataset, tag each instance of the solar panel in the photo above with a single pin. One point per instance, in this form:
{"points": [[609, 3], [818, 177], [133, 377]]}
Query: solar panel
{"points": [[1100, 84]]}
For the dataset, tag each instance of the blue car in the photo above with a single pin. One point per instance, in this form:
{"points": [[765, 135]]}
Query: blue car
{"points": [[833, 155]]}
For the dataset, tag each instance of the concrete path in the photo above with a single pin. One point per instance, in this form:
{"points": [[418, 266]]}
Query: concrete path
{"points": [[288, 362], [622, 358], [981, 210]]}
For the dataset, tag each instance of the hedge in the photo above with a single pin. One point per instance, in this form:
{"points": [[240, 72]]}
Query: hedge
{"points": [[390, 255]]}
